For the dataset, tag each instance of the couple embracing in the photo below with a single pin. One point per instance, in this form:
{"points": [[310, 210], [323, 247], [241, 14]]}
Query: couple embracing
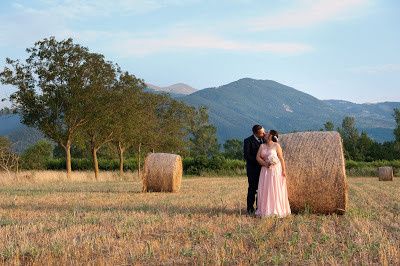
{"points": [[266, 173]]}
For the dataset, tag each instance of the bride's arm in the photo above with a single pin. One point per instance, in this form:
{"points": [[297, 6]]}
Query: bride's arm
{"points": [[259, 159], [280, 156]]}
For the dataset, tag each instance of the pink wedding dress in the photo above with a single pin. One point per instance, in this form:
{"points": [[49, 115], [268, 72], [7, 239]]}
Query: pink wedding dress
{"points": [[272, 196]]}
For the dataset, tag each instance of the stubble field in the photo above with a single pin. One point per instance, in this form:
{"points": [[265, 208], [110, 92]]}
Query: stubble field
{"points": [[47, 221]]}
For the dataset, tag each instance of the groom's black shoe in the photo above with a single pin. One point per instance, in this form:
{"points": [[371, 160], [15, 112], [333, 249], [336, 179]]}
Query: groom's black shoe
{"points": [[251, 212]]}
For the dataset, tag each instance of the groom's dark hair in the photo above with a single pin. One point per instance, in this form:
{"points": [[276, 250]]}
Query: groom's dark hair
{"points": [[256, 128]]}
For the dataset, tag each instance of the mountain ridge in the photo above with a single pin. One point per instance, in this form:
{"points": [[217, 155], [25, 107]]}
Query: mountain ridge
{"points": [[177, 89], [236, 106]]}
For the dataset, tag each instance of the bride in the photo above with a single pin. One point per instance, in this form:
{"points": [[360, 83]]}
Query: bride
{"points": [[272, 196]]}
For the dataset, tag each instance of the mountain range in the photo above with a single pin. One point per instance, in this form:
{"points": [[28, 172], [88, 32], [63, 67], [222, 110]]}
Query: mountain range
{"points": [[20, 135], [175, 90], [235, 107]]}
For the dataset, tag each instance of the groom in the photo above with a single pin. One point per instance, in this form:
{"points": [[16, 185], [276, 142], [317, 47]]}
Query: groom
{"points": [[250, 149]]}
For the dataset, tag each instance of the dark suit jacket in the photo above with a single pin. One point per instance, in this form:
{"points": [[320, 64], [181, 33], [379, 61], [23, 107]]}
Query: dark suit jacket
{"points": [[250, 149]]}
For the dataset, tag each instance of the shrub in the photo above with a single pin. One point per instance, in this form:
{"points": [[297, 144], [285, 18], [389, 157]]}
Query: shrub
{"points": [[86, 164], [215, 165], [36, 156], [370, 168]]}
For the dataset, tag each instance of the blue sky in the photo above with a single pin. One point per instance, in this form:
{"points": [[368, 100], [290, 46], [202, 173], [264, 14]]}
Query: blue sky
{"points": [[331, 49]]}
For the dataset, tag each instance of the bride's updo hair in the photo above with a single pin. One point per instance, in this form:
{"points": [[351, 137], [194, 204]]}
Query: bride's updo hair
{"points": [[274, 135]]}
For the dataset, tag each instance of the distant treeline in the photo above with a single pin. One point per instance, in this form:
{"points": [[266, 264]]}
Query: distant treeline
{"points": [[363, 155], [218, 165], [360, 147], [43, 156]]}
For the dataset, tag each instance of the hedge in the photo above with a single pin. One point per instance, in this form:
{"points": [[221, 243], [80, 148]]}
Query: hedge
{"points": [[86, 164], [191, 166], [370, 168], [353, 164], [217, 165]]}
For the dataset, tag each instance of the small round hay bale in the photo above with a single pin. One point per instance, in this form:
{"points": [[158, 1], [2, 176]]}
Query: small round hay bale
{"points": [[316, 175], [162, 172], [385, 173]]}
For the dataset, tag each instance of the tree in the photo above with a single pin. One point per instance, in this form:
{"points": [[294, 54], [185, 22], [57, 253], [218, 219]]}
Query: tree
{"points": [[132, 115], [329, 126], [35, 156], [53, 88], [5, 143], [173, 123], [147, 121], [233, 149], [364, 147], [350, 137], [6, 111], [203, 135], [8, 159], [396, 131], [78, 150], [98, 129]]}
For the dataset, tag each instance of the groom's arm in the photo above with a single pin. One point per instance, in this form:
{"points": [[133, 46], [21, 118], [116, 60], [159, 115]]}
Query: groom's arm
{"points": [[247, 151]]}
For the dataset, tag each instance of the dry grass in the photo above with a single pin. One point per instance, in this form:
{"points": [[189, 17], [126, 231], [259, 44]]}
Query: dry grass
{"points": [[112, 222], [316, 175], [39, 177]]}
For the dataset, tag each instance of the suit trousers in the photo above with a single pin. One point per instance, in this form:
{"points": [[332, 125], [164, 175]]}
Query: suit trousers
{"points": [[253, 175]]}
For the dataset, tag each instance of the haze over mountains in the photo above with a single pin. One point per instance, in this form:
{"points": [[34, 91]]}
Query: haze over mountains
{"points": [[235, 107], [176, 90]]}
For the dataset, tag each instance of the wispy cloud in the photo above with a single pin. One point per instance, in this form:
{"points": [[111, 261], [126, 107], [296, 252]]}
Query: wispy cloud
{"points": [[27, 22], [378, 69], [307, 13], [57, 18], [174, 38], [180, 41], [94, 8]]}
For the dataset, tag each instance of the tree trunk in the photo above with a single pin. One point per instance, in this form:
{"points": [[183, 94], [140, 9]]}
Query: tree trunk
{"points": [[121, 158], [140, 144], [68, 159], [17, 165], [95, 163]]}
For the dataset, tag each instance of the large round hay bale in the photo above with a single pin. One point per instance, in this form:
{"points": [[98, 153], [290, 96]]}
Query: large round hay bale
{"points": [[316, 175], [385, 173], [162, 172]]}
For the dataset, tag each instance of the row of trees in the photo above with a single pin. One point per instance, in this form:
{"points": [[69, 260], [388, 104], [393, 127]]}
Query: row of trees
{"points": [[357, 146], [203, 146], [77, 98], [360, 147]]}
